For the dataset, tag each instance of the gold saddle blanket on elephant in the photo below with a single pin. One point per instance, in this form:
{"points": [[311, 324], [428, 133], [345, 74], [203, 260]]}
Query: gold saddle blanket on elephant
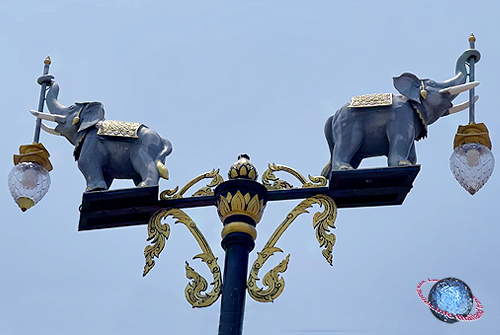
{"points": [[118, 128], [371, 100]]}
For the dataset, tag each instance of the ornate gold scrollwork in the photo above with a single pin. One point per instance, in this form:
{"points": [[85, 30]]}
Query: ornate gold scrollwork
{"points": [[322, 222], [204, 191], [158, 233], [278, 184]]}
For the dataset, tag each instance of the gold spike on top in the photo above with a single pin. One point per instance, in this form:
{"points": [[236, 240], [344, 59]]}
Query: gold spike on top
{"points": [[47, 60], [472, 38]]}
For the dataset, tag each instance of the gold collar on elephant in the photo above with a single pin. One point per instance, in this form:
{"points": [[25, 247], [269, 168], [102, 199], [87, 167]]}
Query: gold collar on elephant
{"points": [[78, 144], [118, 128], [371, 100], [423, 133]]}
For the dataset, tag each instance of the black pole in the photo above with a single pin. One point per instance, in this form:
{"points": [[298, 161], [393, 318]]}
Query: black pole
{"points": [[237, 246], [240, 204], [41, 100]]}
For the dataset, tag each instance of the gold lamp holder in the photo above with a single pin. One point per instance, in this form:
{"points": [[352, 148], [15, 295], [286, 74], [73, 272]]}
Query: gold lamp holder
{"points": [[36, 153], [472, 133]]}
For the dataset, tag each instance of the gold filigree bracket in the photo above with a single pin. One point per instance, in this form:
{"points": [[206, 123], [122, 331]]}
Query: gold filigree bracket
{"points": [[271, 182], [158, 233], [322, 222], [204, 191]]}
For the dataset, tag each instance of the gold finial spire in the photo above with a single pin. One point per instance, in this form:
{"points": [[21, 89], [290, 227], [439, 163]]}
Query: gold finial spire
{"points": [[243, 168], [47, 60], [472, 38]]}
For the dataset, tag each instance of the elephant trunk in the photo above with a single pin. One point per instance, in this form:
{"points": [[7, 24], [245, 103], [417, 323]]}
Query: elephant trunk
{"points": [[460, 69], [54, 106]]}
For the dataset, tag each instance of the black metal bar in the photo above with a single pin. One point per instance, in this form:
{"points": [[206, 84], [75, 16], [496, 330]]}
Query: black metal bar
{"points": [[349, 189], [237, 246]]}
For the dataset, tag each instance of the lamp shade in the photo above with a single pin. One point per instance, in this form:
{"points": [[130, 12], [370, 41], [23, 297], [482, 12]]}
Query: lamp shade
{"points": [[472, 165], [28, 183]]}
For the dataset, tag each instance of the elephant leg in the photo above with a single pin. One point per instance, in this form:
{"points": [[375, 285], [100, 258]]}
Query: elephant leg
{"points": [[356, 160], [345, 148], [412, 157], [93, 175], [146, 167], [108, 180], [399, 151], [90, 164], [137, 180]]}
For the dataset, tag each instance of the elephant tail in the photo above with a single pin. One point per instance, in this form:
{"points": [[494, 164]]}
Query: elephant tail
{"points": [[162, 169], [160, 158], [327, 170]]}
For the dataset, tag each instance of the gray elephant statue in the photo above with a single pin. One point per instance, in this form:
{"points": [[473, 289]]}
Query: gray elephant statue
{"points": [[389, 124], [106, 150]]}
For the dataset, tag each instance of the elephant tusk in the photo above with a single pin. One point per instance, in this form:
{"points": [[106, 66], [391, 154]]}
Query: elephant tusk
{"points": [[459, 88], [49, 117], [461, 107], [50, 130]]}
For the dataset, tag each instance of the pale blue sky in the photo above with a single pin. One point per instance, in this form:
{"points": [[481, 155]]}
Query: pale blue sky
{"points": [[219, 78]]}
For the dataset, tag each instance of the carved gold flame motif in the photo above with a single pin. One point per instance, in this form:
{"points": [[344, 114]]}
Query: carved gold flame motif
{"points": [[204, 191], [271, 182], [158, 233], [322, 222]]}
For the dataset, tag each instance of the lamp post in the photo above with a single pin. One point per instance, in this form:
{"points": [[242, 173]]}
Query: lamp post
{"points": [[29, 180], [472, 161], [240, 202]]}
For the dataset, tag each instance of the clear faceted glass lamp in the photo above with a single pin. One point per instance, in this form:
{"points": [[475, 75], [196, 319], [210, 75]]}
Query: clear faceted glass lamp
{"points": [[29, 180]]}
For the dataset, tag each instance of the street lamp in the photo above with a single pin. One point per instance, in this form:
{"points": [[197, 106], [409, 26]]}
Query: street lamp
{"points": [[29, 180], [472, 161], [241, 200]]}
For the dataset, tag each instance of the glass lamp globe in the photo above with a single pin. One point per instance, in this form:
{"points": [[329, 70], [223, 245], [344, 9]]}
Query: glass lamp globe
{"points": [[28, 183], [472, 165]]}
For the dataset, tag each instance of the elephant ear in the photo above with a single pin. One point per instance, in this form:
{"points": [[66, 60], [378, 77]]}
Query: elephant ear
{"points": [[408, 85], [90, 114]]}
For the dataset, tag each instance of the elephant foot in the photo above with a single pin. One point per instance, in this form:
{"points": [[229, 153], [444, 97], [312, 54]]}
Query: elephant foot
{"points": [[89, 189], [142, 184], [101, 186], [344, 167], [404, 163]]}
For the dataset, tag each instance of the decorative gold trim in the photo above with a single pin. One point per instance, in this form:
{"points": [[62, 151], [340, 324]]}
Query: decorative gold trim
{"points": [[25, 203], [117, 128], [424, 124], [239, 227], [240, 204], [243, 168], [472, 133], [322, 222], [35, 152], [158, 233], [279, 184], [371, 100], [204, 191]]}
